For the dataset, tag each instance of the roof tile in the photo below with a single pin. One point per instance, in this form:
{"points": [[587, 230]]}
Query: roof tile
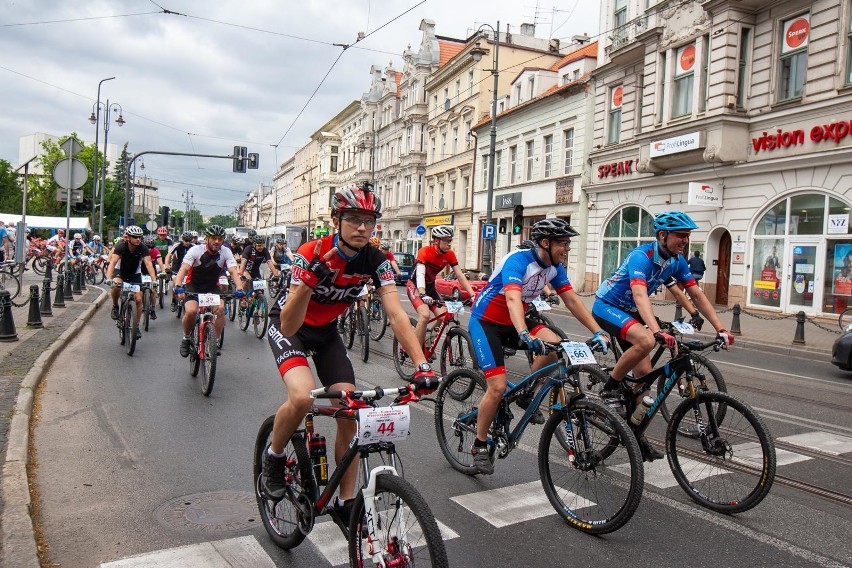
{"points": [[449, 49], [590, 50]]}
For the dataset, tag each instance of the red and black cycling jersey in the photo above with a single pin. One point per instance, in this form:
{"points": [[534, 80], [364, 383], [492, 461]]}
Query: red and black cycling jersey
{"points": [[254, 259], [434, 262], [347, 278]]}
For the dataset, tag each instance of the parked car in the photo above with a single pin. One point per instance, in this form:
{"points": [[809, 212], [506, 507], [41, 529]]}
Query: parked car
{"points": [[406, 265], [450, 288], [841, 352]]}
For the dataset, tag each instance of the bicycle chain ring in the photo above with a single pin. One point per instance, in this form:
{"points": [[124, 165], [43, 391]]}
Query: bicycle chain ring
{"points": [[305, 513]]}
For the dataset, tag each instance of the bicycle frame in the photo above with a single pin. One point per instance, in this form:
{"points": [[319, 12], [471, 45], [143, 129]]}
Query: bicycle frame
{"points": [[446, 318], [205, 314]]}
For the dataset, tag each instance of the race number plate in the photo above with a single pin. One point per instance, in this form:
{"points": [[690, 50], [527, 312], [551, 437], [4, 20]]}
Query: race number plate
{"points": [[578, 353], [128, 287], [540, 305], [384, 424], [146, 279], [259, 284], [223, 281], [455, 307], [683, 328], [208, 299]]}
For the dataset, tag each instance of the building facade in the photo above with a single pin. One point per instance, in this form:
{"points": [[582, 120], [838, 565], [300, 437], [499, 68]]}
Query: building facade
{"points": [[738, 114]]}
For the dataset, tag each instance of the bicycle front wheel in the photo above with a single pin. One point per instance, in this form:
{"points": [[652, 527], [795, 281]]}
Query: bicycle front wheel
{"points": [[130, 326], [378, 320], [194, 360], [362, 324], [456, 419], [401, 360], [146, 309], [281, 519], [349, 327], [404, 530], [246, 313], [457, 353], [730, 468], [261, 318], [713, 382], [593, 493], [209, 348]]}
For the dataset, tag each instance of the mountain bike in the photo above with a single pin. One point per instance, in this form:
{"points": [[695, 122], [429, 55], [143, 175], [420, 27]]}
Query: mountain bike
{"points": [[146, 301], [162, 287], [390, 523], [204, 348], [94, 269], [8, 280], [281, 282], [718, 448], [589, 461], [126, 323], [352, 323], [378, 319], [456, 350], [706, 372], [256, 310]]}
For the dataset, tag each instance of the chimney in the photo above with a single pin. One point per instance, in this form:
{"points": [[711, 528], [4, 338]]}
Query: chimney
{"points": [[528, 30], [580, 39]]}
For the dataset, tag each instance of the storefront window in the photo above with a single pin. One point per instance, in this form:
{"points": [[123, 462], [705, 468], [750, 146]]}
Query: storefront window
{"points": [[627, 229], [807, 215], [837, 295], [766, 273], [774, 221]]}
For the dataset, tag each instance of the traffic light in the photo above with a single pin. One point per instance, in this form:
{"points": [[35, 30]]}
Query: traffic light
{"points": [[253, 161], [240, 153], [165, 209], [502, 226], [518, 220]]}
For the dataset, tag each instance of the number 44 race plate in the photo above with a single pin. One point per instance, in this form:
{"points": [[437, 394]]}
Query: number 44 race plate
{"points": [[384, 424]]}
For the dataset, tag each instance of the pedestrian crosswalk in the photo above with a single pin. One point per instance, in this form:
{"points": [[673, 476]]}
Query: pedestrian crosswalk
{"points": [[499, 507]]}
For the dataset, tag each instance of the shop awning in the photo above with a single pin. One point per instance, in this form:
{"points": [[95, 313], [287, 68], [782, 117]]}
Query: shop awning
{"points": [[44, 222]]}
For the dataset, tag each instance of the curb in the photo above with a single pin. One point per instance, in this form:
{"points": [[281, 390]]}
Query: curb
{"points": [[18, 544]]}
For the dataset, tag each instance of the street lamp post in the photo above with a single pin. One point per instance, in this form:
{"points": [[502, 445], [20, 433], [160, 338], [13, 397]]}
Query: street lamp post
{"points": [[95, 119], [477, 53], [114, 107]]}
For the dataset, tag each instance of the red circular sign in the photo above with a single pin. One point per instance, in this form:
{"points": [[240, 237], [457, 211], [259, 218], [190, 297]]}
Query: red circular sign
{"points": [[617, 95], [687, 58], [797, 33]]}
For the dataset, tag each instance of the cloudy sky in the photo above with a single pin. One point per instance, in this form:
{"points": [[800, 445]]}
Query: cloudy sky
{"points": [[215, 74]]}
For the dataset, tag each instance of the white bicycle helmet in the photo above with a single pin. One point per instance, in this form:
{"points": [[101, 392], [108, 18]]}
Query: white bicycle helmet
{"points": [[443, 232], [133, 231]]}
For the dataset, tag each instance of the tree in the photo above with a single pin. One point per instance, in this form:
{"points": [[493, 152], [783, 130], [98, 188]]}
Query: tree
{"points": [[10, 188], [224, 220]]}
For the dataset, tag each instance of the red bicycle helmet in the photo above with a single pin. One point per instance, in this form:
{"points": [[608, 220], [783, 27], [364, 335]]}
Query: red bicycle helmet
{"points": [[356, 198], [162, 231]]}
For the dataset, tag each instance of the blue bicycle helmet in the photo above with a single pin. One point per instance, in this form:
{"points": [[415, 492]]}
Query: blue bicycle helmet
{"points": [[674, 221]]}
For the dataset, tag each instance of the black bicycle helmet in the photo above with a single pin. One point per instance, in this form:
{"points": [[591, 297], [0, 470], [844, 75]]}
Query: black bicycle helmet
{"points": [[215, 231], [280, 242], [186, 236], [258, 240], [252, 233], [527, 244], [552, 229]]}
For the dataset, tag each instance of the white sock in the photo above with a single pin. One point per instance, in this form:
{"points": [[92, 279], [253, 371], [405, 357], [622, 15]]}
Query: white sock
{"points": [[273, 454]]}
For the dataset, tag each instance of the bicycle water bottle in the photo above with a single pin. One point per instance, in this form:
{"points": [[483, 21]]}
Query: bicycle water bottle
{"points": [[641, 409], [319, 459]]}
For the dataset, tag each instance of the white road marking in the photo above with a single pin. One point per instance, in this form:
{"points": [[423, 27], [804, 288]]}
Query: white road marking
{"points": [[238, 552], [791, 375], [821, 441]]}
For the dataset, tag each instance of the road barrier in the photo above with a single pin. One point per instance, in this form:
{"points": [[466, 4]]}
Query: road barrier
{"points": [[68, 292], [799, 337], [735, 322], [46, 310], [59, 300], [75, 281], [34, 318], [7, 321]]}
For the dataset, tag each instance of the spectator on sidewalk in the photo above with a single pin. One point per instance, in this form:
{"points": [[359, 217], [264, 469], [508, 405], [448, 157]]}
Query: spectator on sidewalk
{"points": [[697, 266], [4, 239]]}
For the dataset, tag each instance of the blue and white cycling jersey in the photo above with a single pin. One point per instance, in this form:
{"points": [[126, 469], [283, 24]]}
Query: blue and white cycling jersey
{"points": [[520, 270], [646, 267]]}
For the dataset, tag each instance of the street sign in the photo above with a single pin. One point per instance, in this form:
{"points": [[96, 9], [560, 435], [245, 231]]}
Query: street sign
{"points": [[76, 195], [70, 173], [420, 230], [489, 231], [151, 225], [71, 147], [152, 216]]}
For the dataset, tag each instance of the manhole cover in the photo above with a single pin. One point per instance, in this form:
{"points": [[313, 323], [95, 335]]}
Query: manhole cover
{"points": [[213, 512]]}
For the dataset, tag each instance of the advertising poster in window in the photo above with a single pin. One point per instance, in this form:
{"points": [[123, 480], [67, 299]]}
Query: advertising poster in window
{"points": [[617, 98], [767, 272], [842, 281], [685, 60], [796, 32]]}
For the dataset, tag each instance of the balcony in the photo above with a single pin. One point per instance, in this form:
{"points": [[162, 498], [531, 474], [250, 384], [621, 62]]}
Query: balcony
{"points": [[412, 210], [625, 44]]}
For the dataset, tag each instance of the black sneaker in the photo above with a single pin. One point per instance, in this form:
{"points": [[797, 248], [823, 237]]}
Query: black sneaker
{"points": [[614, 400], [114, 312], [185, 345], [481, 460], [138, 333], [272, 476], [153, 314], [649, 452]]}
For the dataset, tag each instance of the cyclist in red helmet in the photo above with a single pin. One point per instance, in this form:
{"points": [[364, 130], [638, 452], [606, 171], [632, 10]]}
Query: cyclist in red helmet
{"points": [[328, 274]]}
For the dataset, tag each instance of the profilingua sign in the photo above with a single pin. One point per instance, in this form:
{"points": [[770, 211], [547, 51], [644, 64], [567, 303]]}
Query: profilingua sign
{"points": [[676, 144], [705, 194]]}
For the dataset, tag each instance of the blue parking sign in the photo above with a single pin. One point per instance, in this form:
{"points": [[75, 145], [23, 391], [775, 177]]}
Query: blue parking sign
{"points": [[489, 231]]}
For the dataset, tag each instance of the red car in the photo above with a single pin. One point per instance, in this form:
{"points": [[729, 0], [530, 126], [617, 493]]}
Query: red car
{"points": [[450, 288]]}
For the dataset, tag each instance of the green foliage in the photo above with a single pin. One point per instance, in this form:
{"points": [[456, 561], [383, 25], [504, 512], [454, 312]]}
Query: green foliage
{"points": [[224, 220], [10, 189]]}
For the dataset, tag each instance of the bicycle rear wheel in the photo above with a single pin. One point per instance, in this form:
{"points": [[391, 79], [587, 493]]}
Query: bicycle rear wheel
{"points": [[146, 308], [232, 308], [281, 519], [405, 532], [261, 318], [731, 467], [378, 320], [362, 323], [161, 292], [593, 493], [457, 353], [349, 327], [403, 363], [455, 419], [210, 346], [714, 382], [130, 327], [194, 361]]}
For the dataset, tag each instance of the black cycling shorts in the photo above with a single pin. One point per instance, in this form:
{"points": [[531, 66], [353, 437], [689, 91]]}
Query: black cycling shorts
{"points": [[324, 342], [489, 339], [133, 279]]}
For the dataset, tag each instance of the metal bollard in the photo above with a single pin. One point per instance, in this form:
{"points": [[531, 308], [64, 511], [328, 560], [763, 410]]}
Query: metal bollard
{"points": [[7, 321], [59, 299], [799, 337], [678, 312], [83, 279], [46, 310], [48, 272], [67, 277], [75, 281], [735, 322], [34, 319]]}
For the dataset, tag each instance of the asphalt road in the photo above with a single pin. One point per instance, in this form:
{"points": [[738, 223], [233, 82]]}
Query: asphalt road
{"points": [[132, 459]]}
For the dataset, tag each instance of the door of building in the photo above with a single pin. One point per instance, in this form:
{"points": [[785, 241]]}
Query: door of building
{"points": [[723, 276], [803, 281]]}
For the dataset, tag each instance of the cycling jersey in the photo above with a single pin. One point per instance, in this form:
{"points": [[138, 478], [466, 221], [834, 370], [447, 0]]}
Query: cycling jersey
{"points": [[76, 248], [520, 270], [434, 262], [205, 268], [644, 266], [129, 261], [97, 248], [254, 259], [237, 248], [155, 254], [390, 256], [163, 246], [347, 279], [178, 251], [280, 256]]}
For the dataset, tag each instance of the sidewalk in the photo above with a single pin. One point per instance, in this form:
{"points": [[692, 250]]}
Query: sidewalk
{"points": [[22, 364]]}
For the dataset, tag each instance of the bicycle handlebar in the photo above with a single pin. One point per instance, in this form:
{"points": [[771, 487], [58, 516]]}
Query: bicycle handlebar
{"points": [[366, 395]]}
